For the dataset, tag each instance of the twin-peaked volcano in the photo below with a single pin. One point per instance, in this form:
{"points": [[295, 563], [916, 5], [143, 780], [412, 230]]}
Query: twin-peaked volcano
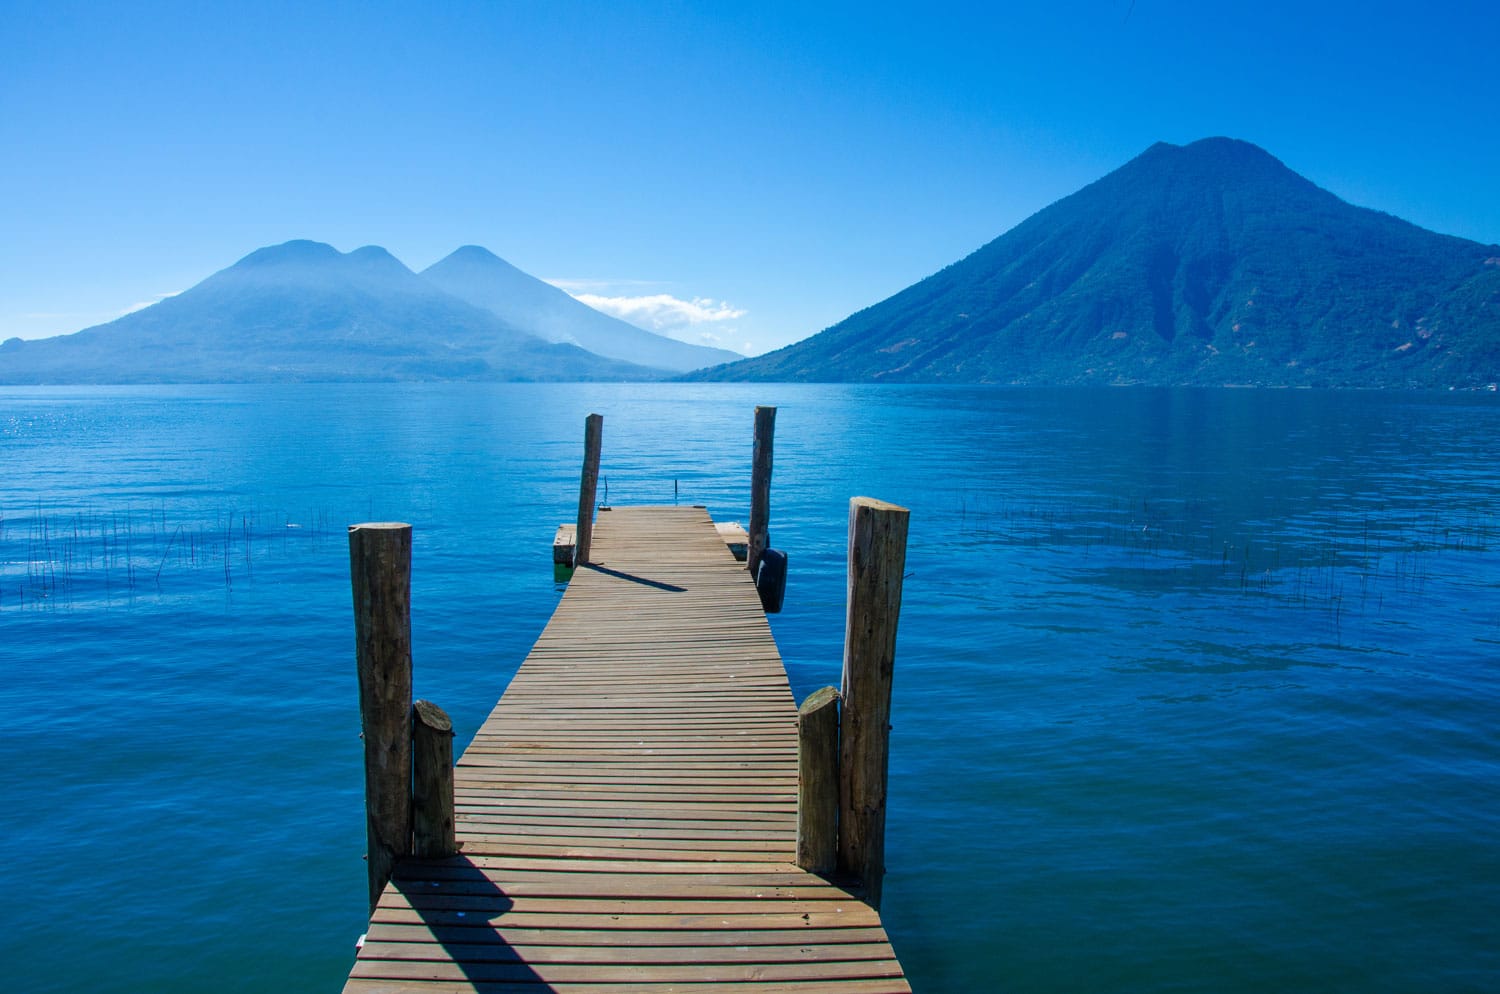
{"points": [[1210, 263], [305, 311]]}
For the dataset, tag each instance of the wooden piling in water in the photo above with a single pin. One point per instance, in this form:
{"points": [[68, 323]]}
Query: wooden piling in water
{"points": [[818, 781], [380, 573], [593, 438], [877, 558], [432, 814], [760, 487]]}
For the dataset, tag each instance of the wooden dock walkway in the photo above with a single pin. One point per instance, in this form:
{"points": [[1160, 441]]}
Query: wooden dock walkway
{"points": [[627, 814]]}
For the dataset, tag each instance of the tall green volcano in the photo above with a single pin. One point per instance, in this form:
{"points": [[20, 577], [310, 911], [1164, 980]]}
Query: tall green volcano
{"points": [[1209, 263]]}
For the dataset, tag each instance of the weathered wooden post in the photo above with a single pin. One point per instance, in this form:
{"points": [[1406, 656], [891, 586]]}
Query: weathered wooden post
{"points": [[877, 557], [593, 438], [380, 571], [432, 834], [760, 487], [818, 781]]}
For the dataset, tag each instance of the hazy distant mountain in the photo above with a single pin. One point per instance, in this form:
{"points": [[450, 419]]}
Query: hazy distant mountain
{"points": [[305, 311], [484, 279], [1209, 263]]}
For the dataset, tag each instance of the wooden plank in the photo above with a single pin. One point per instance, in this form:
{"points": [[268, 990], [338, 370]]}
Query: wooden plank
{"points": [[466, 871], [831, 921], [416, 898], [714, 971], [516, 936], [887, 985], [490, 845], [617, 953], [499, 863], [627, 813]]}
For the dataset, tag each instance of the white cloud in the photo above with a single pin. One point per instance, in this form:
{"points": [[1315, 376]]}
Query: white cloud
{"points": [[142, 305], [663, 312]]}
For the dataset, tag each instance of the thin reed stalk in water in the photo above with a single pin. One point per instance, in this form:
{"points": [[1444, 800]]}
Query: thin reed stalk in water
{"points": [[165, 553]]}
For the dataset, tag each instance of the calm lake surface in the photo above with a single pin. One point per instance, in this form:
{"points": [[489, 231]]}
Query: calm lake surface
{"points": [[1195, 690]]}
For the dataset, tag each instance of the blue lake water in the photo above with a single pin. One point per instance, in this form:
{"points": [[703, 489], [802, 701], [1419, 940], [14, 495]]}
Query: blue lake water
{"points": [[1195, 690]]}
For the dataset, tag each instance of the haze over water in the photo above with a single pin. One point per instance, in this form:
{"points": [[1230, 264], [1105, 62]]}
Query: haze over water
{"points": [[1194, 690]]}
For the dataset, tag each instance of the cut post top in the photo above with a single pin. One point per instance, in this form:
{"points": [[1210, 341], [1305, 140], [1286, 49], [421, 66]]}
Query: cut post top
{"points": [[433, 716], [380, 526], [875, 504], [818, 700]]}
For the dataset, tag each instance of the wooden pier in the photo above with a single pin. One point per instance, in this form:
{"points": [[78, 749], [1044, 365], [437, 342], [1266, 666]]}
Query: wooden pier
{"points": [[645, 810], [627, 816]]}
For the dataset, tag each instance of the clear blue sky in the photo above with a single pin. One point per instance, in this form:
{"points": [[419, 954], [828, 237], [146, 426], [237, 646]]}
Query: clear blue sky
{"points": [[748, 171]]}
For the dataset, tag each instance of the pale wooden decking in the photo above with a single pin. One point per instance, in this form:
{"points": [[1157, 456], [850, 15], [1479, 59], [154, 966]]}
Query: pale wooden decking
{"points": [[627, 812]]}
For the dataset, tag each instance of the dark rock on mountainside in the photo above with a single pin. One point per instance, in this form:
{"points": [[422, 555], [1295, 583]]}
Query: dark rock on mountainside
{"points": [[484, 279], [1210, 263], [305, 311]]}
